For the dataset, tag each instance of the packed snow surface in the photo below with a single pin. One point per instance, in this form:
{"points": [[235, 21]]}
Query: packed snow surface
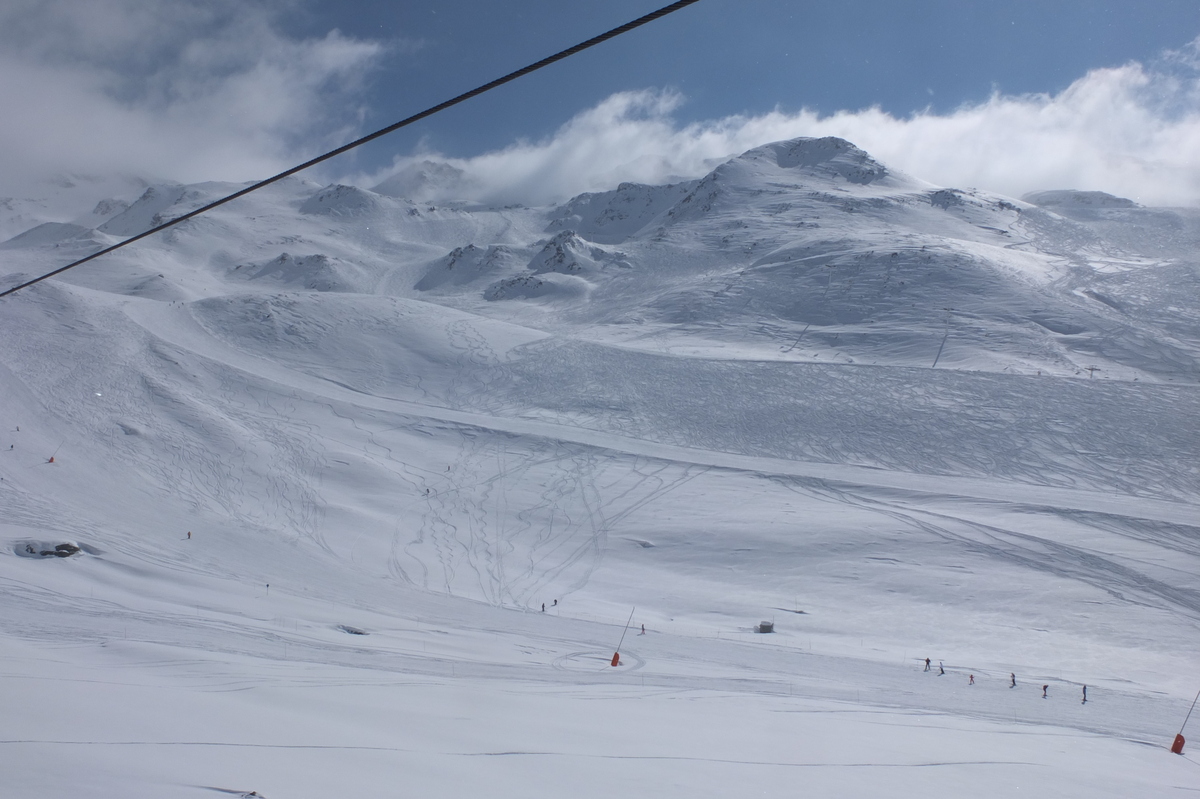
{"points": [[285, 490]]}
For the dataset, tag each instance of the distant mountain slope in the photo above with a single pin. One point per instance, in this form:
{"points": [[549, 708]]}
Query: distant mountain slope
{"points": [[807, 253], [808, 250]]}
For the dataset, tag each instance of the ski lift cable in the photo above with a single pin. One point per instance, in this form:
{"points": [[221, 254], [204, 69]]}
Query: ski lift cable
{"points": [[545, 62]]}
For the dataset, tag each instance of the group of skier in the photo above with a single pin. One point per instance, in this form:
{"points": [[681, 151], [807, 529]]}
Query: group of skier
{"points": [[1012, 680]]}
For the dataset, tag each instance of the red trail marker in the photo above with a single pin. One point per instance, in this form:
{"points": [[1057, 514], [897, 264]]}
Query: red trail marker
{"points": [[616, 660], [1177, 746]]}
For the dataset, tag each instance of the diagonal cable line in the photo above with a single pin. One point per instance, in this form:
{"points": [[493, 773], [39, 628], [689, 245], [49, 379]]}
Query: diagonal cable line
{"points": [[545, 62]]}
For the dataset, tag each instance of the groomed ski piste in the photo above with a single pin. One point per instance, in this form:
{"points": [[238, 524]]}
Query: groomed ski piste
{"points": [[327, 452]]}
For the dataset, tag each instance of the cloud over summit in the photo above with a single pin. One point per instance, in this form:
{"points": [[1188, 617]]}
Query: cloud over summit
{"points": [[1132, 130]]}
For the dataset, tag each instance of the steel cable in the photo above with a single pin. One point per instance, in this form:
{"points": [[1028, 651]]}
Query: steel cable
{"points": [[545, 62]]}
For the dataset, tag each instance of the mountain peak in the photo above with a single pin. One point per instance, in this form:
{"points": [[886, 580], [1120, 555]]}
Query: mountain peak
{"points": [[829, 157], [1073, 198], [424, 181], [342, 200]]}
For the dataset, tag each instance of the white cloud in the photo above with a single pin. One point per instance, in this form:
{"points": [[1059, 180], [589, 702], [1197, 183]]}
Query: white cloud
{"points": [[215, 89], [204, 90], [1131, 130]]}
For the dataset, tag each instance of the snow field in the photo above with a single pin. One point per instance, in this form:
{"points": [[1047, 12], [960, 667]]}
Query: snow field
{"points": [[735, 418]]}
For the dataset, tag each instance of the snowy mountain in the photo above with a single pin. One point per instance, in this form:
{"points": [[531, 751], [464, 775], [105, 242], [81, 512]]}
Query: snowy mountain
{"points": [[327, 451]]}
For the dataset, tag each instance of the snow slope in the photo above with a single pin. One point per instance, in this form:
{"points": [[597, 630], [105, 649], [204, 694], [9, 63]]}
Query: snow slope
{"points": [[327, 451]]}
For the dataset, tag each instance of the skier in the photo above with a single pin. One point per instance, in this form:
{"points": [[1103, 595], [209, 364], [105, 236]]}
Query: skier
{"points": [[926, 664], [643, 632], [543, 607], [1044, 688], [1084, 695], [556, 603], [941, 669], [189, 535], [972, 679], [1013, 677]]}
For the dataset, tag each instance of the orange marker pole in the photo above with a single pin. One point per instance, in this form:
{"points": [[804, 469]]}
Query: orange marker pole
{"points": [[1177, 747], [616, 661]]}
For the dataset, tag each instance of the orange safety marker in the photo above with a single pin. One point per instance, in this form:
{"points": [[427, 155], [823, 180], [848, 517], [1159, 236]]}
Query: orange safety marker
{"points": [[1177, 746], [616, 661]]}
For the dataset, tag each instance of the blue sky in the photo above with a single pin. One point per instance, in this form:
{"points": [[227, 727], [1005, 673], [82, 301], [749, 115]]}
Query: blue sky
{"points": [[1008, 96], [740, 56]]}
